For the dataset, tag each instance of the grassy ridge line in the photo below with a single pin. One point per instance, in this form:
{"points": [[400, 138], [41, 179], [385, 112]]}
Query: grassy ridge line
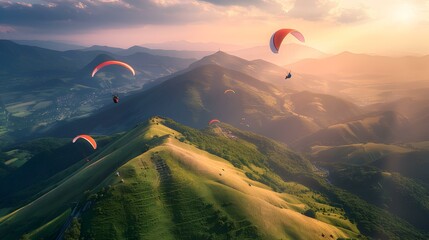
{"points": [[193, 172], [371, 221], [71, 189], [262, 202]]}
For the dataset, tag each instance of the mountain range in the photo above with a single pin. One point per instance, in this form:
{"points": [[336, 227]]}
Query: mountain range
{"points": [[193, 101], [40, 86], [337, 151]]}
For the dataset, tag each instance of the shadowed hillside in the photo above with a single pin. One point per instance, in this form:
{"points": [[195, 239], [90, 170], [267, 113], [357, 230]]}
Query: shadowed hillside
{"points": [[385, 127], [196, 96]]}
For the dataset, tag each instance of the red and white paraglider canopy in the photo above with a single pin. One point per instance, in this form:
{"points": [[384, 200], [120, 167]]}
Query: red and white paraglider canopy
{"points": [[277, 38]]}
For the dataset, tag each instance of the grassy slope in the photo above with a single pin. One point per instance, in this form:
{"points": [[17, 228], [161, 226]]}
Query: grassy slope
{"points": [[409, 159], [219, 192], [72, 188], [159, 204], [388, 176], [48, 161], [381, 127]]}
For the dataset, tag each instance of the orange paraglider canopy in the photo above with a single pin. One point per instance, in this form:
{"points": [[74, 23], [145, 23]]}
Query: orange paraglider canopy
{"points": [[88, 139], [107, 63]]}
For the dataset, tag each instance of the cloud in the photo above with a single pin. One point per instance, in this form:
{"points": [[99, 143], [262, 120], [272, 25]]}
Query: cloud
{"points": [[6, 29], [312, 10], [234, 2], [71, 16], [326, 10], [67, 15], [352, 15], [165, 3]]}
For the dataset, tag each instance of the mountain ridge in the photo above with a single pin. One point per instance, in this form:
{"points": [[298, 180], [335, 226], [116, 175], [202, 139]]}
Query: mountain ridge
{"points": [[172, 162], [198, 96]]}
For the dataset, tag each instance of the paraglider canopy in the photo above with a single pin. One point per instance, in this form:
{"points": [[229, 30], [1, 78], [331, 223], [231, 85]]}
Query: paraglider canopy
{"points": [[115, 99], [107, 63], [277, 38], [88, 139], [213, 121], [229, 91]]}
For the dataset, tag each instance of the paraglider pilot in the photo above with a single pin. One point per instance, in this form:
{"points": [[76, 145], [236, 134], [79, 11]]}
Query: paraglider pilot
{"points": [[115, 99], [289, 75]]}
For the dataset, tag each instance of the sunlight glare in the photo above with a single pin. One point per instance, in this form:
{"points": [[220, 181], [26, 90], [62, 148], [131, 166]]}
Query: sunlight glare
{"points": [[404, 13]]}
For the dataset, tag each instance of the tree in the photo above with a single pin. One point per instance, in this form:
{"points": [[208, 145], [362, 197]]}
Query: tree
{"points": [[73, 232], [310, 213], [25, 237]]}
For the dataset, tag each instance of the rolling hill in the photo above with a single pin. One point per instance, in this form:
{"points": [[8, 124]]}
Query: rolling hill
{"points": [[165, 180], [384, 127], [169, 181], [260, 69], [389, 176], [53, 45], [416, 109], [409, 159]]}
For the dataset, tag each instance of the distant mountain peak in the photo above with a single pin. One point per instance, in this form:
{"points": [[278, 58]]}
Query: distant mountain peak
{"points": [[101, 58], [222, 54], [91, 65], [137, 47]]}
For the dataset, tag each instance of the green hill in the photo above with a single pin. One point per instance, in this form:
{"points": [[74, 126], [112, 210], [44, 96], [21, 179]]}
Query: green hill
{"points": [[384, 127], [388, 176], [176, 182], [174, 188], [408, 159]]}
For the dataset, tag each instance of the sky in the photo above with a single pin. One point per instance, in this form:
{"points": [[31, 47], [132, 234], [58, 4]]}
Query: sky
{"points": [[385, 27]]}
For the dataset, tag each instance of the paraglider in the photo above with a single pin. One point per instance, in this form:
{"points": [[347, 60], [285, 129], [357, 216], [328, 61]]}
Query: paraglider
{"points": [[229, 91], [88, 139], [277, 38], [289, 75], [107, 63], [115, 99], [213, 121]]}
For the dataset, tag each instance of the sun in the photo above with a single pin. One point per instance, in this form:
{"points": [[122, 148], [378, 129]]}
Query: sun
{"points": [[404, 13]]}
